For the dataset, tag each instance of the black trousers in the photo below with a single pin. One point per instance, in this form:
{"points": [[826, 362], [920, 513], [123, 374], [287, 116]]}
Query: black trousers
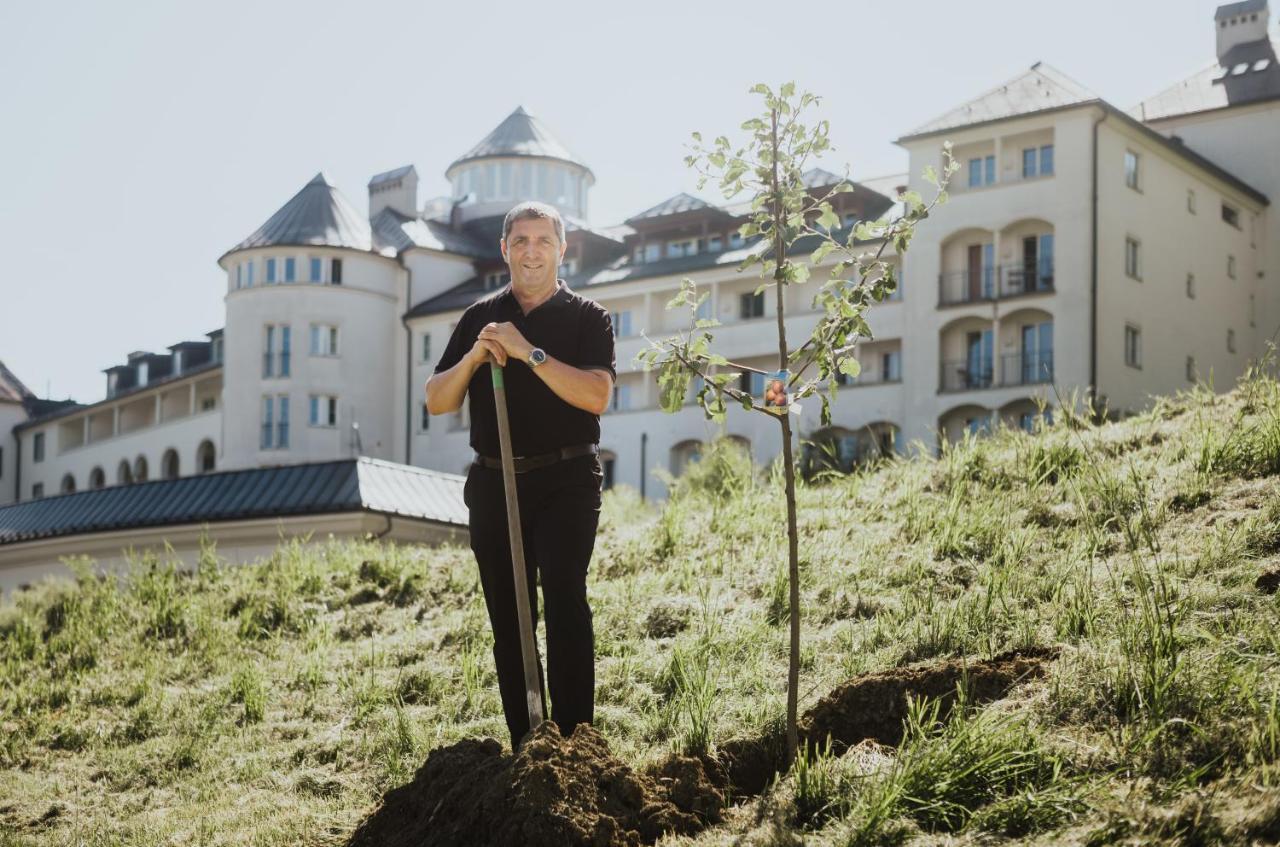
{"points": [[559, 513]]}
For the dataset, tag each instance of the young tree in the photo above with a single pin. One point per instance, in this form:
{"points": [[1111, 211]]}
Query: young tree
{"points": [[768, 167]]}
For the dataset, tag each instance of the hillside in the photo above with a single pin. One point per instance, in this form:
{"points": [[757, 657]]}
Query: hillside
{"points": [[1105, 596]]}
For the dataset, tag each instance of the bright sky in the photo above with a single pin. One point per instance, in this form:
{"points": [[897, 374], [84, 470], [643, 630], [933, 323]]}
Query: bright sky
{"points": [[143, 139]]}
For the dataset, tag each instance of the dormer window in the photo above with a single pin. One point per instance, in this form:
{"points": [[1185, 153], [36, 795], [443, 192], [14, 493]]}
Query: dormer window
{"points": [[715, 244], [496, 279], [735, 239], [142, 373]]}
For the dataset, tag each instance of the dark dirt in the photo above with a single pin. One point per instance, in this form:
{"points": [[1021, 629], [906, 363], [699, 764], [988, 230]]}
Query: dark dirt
{"points": [[1268, 582], [555, 791], [559, 791]]}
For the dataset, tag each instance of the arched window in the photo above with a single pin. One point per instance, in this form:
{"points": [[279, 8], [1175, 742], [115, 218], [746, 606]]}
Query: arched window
{"points": [[169, 464], [684, 453], [205, 455], [68, 484], [97, 479], [140, 469], [124, 473]]}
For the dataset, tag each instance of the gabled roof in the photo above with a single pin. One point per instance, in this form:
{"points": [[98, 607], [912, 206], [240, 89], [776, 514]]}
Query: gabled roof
{"points": [[1035, 90], [346, 485], [819, 178], [1248, 73], [681, 202], [396, 232], [11, 388], [519, 134], [318, 215]]}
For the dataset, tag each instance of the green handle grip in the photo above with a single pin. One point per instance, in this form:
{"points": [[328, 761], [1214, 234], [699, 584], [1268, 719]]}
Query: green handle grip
{"points": [[495, 370]]}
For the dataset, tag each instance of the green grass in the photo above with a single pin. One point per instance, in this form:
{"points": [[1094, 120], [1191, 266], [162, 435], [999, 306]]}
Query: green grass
{"points": [[273, 703]]}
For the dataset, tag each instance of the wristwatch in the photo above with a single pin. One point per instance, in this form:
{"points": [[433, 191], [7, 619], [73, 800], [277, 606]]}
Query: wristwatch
{"points": [[537, 356]]}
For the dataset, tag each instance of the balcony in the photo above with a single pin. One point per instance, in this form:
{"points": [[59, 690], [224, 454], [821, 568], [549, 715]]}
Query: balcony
{"points": [[1031, 368], [967, 375], [995, 283]]}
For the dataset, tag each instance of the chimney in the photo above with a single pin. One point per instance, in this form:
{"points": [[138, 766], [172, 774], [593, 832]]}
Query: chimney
{"points": [[1240, 23], [397, 189]]}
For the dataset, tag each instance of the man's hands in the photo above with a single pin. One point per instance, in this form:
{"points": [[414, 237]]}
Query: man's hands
{"points": [[507, 339], [485, 350]]}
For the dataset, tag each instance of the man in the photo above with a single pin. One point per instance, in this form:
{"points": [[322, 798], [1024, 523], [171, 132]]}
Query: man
{"points": [[556, 349]]}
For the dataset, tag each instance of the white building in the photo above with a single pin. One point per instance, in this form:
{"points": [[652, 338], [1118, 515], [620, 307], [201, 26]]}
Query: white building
{"points": [[1121, 253]]}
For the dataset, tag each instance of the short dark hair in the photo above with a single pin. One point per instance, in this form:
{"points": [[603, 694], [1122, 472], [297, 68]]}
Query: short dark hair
{"points": [[531, 209]]}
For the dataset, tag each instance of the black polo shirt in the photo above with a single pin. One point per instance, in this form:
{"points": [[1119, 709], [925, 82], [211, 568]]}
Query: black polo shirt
{"points": [[570, 328]]}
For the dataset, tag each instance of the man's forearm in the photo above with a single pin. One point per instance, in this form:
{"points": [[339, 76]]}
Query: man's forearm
{"points": [[447, 389], [584, 389]]}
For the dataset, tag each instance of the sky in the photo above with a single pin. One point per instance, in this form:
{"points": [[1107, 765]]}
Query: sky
{"points": [[140, 140]]}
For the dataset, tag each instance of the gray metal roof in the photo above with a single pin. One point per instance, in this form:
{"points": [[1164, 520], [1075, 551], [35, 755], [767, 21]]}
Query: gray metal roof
{"points": [[1039, 88], [519, 134], [11, 388], [347, 485], [681, 202], [391, 175], [1242, 8], [318, 215], [1248, 73], [819, 178], [396, 232]]}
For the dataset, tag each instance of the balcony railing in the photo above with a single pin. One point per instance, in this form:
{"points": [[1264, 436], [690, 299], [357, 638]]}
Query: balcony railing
{"points": [[991, 283], [1030, 368], [966, 375], [1026, 278]]}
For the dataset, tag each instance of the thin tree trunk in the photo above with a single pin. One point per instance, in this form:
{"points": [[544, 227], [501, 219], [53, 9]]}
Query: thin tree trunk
{"points": [[793, 541]]}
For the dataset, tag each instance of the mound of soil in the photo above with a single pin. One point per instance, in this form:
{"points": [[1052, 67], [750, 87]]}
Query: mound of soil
{"points": [[1268, 582], [572, 791], [556, 790]]}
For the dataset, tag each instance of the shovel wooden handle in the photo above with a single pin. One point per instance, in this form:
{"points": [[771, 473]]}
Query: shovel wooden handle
{"points": [[532, 686]]}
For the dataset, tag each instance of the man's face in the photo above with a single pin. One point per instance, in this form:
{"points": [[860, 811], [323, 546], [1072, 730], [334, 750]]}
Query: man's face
{"points": [[533, 252]]}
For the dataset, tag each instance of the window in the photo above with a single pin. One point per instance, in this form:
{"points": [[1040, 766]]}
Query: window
{"points": [[569, 267], [1231, 341], [621, 323], [752, 383], [1132, 346], [1231, 266], [37, 490], [240, 275], [1191, 201], [1231, 215], [324, 340], [290, 269], [248, 274], [686, 247], [1191, 369], [208, 403], [1037, 161], [324, 410], [621, 397], [426, 347], [282, 422], [891, 366], [37, 447], [751, 306], [425, 423], [1132, 267], [316, 272], [335, 271], [217, 349], [268, 423], [271, 270], [1, 463], [652, 252], [1253, 304], [982, 171], [276, 350], [1191, 286], [715, 244], [496, 279], [704, 309], [1131, 170], [735, 239]]}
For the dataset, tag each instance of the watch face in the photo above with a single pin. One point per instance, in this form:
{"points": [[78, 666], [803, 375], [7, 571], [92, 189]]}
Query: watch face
{"points": [[537, 355]]}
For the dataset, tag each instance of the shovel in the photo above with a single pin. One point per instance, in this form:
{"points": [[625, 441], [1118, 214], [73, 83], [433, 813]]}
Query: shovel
{"points": [[532, 688]]}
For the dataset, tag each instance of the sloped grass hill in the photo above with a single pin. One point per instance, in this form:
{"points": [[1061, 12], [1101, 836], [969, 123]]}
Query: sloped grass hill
{"points": [[276, 703]]}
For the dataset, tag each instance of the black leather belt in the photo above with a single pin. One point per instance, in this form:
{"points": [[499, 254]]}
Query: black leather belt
{"points": [[528, 463]]}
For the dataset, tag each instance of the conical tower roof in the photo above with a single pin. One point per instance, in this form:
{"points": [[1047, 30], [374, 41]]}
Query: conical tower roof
{"points": [[318, 215], [520, 134]]}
